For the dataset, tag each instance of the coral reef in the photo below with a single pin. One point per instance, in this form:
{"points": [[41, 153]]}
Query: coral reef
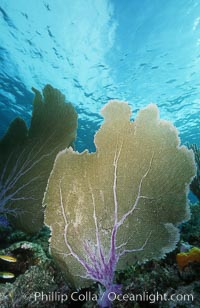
{"points": [[120, 204], [155, 277], [184, 258], [27, 157], [34, 273]]}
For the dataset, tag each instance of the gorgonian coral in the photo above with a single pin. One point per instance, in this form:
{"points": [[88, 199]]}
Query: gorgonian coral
{"points": [[27, 157], [120, 204]]}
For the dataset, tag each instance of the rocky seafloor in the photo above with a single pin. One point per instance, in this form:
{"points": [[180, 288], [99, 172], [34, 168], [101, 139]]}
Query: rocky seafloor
{"points": [[38, 282]]}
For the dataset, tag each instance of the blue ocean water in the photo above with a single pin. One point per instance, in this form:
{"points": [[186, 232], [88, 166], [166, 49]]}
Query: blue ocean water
{"points": [[137, 51]]}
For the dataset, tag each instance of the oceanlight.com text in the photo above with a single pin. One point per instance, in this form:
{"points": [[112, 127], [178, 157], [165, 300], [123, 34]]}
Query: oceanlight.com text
{"points": [[112, 296]]}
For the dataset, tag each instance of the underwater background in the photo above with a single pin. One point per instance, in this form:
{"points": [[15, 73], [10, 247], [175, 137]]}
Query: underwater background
{"points": [[94, 51], [137, 51]]}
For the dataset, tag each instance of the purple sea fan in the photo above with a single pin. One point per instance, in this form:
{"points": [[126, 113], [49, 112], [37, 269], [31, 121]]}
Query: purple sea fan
{"points": [[108, 208]]}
